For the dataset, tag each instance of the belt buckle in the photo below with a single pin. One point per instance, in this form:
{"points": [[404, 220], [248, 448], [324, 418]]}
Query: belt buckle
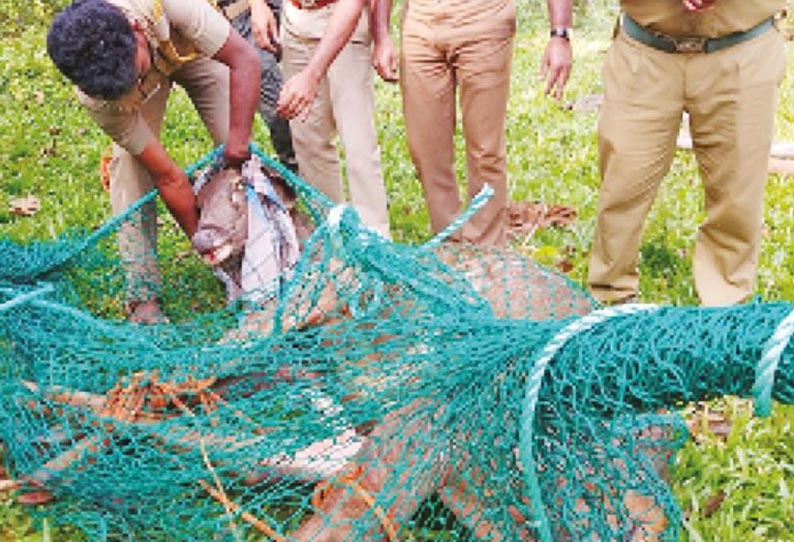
{"points": [[690, 45]]}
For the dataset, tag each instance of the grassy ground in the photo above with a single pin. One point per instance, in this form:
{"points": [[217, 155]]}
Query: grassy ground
{"points": [[737, 486]]}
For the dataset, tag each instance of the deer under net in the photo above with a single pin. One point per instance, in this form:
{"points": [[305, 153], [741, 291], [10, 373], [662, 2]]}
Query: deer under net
{"points": [[351, 388]]}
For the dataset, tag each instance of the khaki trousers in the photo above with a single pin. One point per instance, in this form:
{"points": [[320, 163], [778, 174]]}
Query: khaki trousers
{"points": [[207, 83], [446, 46], [345, 105], [730, 96]]}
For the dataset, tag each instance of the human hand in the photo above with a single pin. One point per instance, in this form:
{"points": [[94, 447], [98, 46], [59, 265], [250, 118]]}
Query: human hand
{"points": [[297, 94], [264, 26], [235, 154], [698, 5], [384, 59], [555, 68]]}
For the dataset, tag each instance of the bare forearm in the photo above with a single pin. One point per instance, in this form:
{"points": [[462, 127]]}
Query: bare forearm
{"points": [[172, 184], [340, 27], [555, 67], [178, 197], [380, 19], [244, 97], [560, 13], [244, 80]]}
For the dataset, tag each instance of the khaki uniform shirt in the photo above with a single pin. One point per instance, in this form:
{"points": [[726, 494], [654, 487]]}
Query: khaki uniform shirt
{"points": [[727, 16], [195, 27]]}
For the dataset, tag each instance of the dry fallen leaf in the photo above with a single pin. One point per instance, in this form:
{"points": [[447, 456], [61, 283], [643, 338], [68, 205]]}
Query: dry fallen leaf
{"points": [[565, 265], [713, 504], [27, 206], [525, 217]]}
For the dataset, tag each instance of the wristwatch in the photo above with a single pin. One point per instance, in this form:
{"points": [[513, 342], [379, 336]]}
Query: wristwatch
{"points": [[564, 33]]}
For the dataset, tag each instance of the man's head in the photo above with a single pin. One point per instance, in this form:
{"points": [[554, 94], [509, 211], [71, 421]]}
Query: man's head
{"points": [[94, 44]]}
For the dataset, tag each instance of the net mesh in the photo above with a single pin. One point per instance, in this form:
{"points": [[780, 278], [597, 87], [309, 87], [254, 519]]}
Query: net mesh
{"points": [[387, 392]]}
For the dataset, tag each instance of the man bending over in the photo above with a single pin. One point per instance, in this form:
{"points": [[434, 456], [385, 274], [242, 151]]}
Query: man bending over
{"points": [[123, 56]]}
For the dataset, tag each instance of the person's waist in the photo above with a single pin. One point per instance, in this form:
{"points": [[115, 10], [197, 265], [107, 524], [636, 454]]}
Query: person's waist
{"points": [[311, 4], [233, 8], [690, 44]]}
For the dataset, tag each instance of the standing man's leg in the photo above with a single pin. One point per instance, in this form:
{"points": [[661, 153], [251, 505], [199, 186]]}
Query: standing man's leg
{"points": [[280, 134], [643, 102], [352, 93], [428, 91], [483, 68], [130, 181], [313, 135], [732, 118]]}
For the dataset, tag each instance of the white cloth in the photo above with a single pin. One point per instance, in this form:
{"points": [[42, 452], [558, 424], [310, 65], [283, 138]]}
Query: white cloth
{"points": [[272, 248]]}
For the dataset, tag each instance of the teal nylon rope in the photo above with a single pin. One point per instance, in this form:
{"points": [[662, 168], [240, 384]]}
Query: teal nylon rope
{"points": [[71, 311], [21, 299], [767, 366], [532, 393], [476, 204]]}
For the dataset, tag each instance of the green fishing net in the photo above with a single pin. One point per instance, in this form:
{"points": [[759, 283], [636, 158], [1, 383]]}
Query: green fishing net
{"points": [[382, 392]]}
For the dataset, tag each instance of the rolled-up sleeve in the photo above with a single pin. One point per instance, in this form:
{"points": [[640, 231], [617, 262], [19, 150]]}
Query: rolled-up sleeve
{"points": [[199, 22]]}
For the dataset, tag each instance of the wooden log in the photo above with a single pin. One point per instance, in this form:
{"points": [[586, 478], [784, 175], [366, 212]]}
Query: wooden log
{"points": [[781, 155], [301, 464], [781, 166]]}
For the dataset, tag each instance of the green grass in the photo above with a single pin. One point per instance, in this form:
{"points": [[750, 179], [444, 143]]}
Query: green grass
{"points": [[50, 149]]}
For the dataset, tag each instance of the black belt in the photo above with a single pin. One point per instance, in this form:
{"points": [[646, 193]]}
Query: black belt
{"points": [[694, 44]]}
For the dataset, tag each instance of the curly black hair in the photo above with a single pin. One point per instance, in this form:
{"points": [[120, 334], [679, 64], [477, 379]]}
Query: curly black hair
{"points": [[93, 44]]}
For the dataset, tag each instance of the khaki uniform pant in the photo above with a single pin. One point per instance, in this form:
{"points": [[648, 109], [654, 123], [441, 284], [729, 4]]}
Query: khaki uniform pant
{"points": [[464, 44], [207, 83], [345, 104], [730, 96]]}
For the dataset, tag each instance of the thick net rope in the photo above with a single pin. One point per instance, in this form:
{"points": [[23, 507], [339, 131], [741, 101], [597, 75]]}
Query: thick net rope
{"points": [[387, 392]]}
